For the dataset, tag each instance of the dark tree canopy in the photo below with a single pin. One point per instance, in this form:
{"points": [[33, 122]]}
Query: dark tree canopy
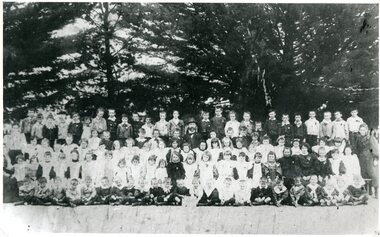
{"points": [[130, 56]]}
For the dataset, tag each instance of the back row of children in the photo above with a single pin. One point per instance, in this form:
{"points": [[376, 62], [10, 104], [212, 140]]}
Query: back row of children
{"points": [[142, 159]]}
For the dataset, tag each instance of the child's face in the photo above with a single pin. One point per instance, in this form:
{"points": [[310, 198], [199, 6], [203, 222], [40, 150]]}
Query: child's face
{"points": [[57, 146], [280, 185], [312, 114], [327, 116], [20, 161], [161, 145], [47, 158], [33, 160], [148, 120], [106, 135], [230, 132], [69, 140], [243, 133], [285, 118], [232, 117], [337, 115], [272, 114], [104, 182], [162, 116], [281, 142], [94, 133], [186, 148], [239, 145], [100, 114], [271, 158], [226, 143], [218, 112], [202, 146], [73, 184], [84, 145], [42, 184], [313, 180], [30, 114], [135, 162], [205, 157], [118, 182], [242, 158], [298, 118], [156, 134], [151, 162], [205, 116], [109, 156], [258, 159], [175, 114], [348, 151], [287, 152], [162, 164], [227, 182], [176, 134], [175, 159], [190, 160], [335, 155], [214, 145], [265, 142], [180, 183], [195, 183], [263, 183], [124, 119], [34, 142], [88, 182], [322, 153], [246, 117], [258, 126], [363, 131], [304, 149], [174, 145], [135, 117], [212, 135], [296, 144], [74, 156], [227, 156], [111, 113], [154, 183], [354, 113], [297, 182], [88, 157]]}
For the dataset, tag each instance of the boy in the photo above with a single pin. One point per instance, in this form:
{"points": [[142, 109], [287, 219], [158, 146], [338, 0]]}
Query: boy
{"points": [[314, 190], [286, 130], [329, 194], [124, 129], [76, 128], [289, 167], [15, 142], [325, 127], [27, 123], [312, 129], [262, 195], [42, 193], [353, 124], [26, 191], [63, 126], [218, 122], [58, 192], [233, 123], [99, 123], [247, 122], [69, 146], [226, 193], [129, 192], [155, 192], [141, 139], [107, 140], [357, 193], [265, 148], [298, 193], [280, 194], [136, 124], [176, 124], [117, 192], [46, 168], [242, 194], [258, 130], [37, 129], [148, 126], [162, 126], [88, 191], [112, 123], [205, 125], [180, 192], [175, 167], [299, 128], [339, 127], [73, 196], [271, 127], [103, 192]]}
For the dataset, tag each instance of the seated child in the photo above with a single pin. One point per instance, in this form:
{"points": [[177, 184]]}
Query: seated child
{"points": [[343, 193], [226, 192], [156, 193], [73, 196], [58, 192], [196, 189], [175, 167], [46, 167], [210, 196], [42, 193], [141, 194], [19, 169], [88, 191], [242, 166], [129, 192], [280, 194], [256, 171], [150, 169], [117, 192], [262, 195], [322, 166], [242, 194], [26, 191], [357, 192], [180, 192], [298, 193], [330, 194], [272, 169], [161, 172], [191, 169], [103, 192], [314, 190], [168, 198]]}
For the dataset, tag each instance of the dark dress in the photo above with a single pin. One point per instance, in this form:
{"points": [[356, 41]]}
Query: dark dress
{"points": [[363, 146]]}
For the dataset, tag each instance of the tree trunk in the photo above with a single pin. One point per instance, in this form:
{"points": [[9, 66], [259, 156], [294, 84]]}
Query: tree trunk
{"points": [[108, 57]]}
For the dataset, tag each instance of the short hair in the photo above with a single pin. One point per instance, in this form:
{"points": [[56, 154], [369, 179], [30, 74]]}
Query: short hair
{"points": [[263, 178], [124, 116], [327, 112], [42, 180], [136, 157], [142, 131], [271, 111], [152, 157], [311, 111], [266, 138], [242, 154], [247, 112], [258, 154], [305, 145], [297, 114], [337, 111], [232, 112], [100, 109], [285, 114]]}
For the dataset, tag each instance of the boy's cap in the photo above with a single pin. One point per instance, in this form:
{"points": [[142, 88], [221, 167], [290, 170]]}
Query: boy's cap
{"points": [[124, 116], [191, 120]]}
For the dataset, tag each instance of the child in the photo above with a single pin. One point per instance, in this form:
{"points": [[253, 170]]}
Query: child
{"points": [[58, 192], [272, 169], [213, 138], [103, 192], [42, 193], [148, 127], [74, 166], [259, 130], [156, 193], [161, 171], [271, 127], [312, 129], [296, 150], [239, 144], [117, 192], [242, 194], [75, 128], [141, 139], [279, 149], [242, 166], [299, 128], [61, 166], [88, 191], [90, 167], [225, 167], [265, 148], [351, 163], [46, 168], [180, 192], [215, 150], [94, 141], [322, 143], [343, 193], [207, 168], [286, 129], [168, 198], [32, 167], [124, 129], [196, 189], [130, 150], [330, 194], [136, 124], [298, 193], [176, 124], [289, 167], [353, 124], [336, 163], [19, 169], [69, 146], [162, 125], [322, 167], [26, 191], [247, 123], [63, 127], [99, 123], [325, 127], [280, 194], [45, 147], [191, 170], [357, 192], [107, 140], [314, 190], [262, 195], [87, 131], [27, 123], [73, 195], [37, 129], [31, 149], [226, 193], [112, 123], [50, 130], [218, 122], [118, 152], [129, 192], [205, 125], [83, 149], [136, 168], [175, 167], [210, 196], [257, 171], [306, 162], [339, 127], [150, 168], [199, 150]]}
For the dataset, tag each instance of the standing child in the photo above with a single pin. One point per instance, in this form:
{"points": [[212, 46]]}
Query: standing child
{"points": [[339, 127], [37, 129], [94, 141], [141, 139], [63, 127], [112, 123], [191, 170], [271, 127], [289, 167], [205, 125], [351, 163], [247, 123], [256, 171], [312, 129], [148, 127], [259, 130], [306, 162], [136, 124], [280, 194], [262, 195], [232, 123], [99, 123], [176, 124], [27, 123], [322, 167], [76, 128], [218, 122], [357, 192], [124, 129], [265, 148], [353, 124], [298, 193], [162, 126], [46, 168], [58, 192], [273, 170], [286, 129], [325, 127], [299, 128]]}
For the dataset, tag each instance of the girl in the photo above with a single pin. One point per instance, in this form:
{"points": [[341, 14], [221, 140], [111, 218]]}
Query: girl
{"points": [[225, 167], [243, 194], [210, 196], [117, 192], [330, 194], [50, 130], [88, 191], [337, 165], [118, 152], [46, 168], [265, 148], [186, 150], [199, 150], [226, 192], [19, 169], [130, 150], [161, 172], [32, 167], [57, 191], [256, 171], [242, 166], [89, 167], [357, 192], [343, 193], [45, 147], [215, 150], [191, 170], [322, 143], [314, 190], [280, 194], [214, 137], [175, 167], [296, 150], [121, 171], [351, 163], [272, 169], [207, 169], [31, 149], [289, 167], [239, 147], [306, 163], [74, 166], [83, 149], [93, 141], [62, 167], [196, 189], [279, 149], [150, 169], [136, 169], [322, 166], [86, 133], [227, 145]]}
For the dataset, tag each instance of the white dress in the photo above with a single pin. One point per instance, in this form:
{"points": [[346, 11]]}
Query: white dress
{"points": [[189, 172], [206, 172]]}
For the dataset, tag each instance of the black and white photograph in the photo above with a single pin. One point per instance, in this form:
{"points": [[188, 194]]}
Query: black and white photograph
{"points": [[190, 118]]}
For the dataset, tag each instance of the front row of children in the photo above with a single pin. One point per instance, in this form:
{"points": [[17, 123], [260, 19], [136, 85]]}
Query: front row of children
{"points": [[334, 192]]}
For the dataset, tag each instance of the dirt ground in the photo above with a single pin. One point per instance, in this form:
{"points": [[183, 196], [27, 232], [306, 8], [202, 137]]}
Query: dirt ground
{"points": [[193, 220]]}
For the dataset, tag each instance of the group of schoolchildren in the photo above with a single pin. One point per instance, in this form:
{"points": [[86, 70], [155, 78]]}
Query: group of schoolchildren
{"points": [[56, 159]]}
